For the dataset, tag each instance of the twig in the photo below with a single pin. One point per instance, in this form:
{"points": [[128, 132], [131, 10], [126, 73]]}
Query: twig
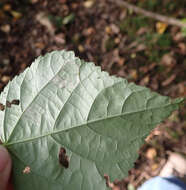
{"points": [[168, 20]]}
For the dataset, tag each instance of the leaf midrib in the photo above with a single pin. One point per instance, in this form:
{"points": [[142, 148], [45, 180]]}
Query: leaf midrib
{"points": [[87, 123], [38, 95]]}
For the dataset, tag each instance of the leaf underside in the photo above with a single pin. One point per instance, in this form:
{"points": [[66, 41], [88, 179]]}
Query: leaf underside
{"points": [[100, 121]]}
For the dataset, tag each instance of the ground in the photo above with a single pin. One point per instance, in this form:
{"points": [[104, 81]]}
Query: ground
{"points": [[124, 43]]}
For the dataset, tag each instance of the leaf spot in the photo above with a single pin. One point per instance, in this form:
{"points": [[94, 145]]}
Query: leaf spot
{"points": [[113, 186], [2, 107], [26, 170], [15, 102], [8, 104], [63, 158]]}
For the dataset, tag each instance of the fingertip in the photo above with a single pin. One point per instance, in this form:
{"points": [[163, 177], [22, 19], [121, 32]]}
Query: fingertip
{"points": [[10, 186], [5, 167], [4, 158]]}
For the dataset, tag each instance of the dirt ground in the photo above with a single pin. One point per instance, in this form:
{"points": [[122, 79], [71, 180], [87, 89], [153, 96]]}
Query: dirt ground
{"points": [[125, 44]]}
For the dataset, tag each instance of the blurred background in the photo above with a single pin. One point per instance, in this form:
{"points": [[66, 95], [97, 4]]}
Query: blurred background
{"points": [[124, 43]]}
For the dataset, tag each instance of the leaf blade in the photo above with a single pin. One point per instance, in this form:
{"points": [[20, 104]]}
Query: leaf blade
{"points": [[98, 119]]}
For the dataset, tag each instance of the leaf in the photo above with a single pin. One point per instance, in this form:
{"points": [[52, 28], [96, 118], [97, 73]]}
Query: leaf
{"points": [[68, 19], [183, 29], [88, 4], [16, 15], [75, 123], [44, 20], [161, 27]]}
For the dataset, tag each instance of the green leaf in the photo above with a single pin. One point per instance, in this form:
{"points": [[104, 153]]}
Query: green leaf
{"points": [[101, 122], [68, 19], [183, 29]]}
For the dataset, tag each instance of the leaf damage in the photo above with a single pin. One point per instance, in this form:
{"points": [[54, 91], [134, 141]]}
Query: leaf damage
{"points": [[13, 102], [26, 170], [2, 107], [63, 158]]}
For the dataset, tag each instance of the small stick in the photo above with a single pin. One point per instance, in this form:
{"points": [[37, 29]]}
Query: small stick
{"points": [[165, 19]]}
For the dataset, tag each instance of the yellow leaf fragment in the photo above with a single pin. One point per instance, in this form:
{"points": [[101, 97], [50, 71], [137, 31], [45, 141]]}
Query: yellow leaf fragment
{"points": [[133, 74], [154, 166], [81, 48], [108, 30], [88, 4], [5, 28], [7, 7], [151, 153], [16, 15], [161, 27]]}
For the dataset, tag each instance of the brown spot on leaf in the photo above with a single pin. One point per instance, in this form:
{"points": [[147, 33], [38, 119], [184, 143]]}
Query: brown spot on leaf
{"points": [[109, 184], [8, 104], [26, 170], [63, 158], [2, 107], [15, 102]]}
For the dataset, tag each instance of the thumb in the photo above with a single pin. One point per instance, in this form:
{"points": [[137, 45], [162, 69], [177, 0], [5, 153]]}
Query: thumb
{"points": [[5, 167]]}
